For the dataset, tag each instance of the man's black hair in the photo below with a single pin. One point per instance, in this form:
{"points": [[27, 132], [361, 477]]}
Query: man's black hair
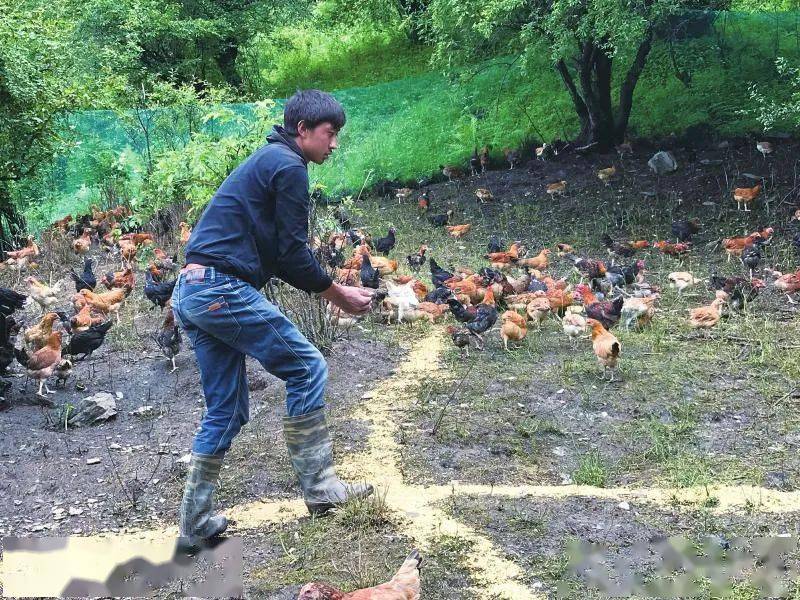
{"points": [[313, 107]]}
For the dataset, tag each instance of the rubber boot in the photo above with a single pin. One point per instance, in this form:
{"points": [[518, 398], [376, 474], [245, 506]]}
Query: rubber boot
{"points": [[311, 453], [198, 524]]}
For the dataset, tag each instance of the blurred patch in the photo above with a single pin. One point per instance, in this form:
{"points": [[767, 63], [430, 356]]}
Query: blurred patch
{"points": [[125, 565]]}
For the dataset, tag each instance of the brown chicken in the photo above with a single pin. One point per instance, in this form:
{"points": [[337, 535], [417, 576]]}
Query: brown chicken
{"points": [[29, 251], [435, 312], [706, 316], [559, 300], [127, 249], [405, 585], [123, 280], [538, 308], [138, 238], [36, 337], [41, 363], [63, 224], [674, 250], [564, 248], [84, 319], [559, 188], [605, 345], [384, 265], [186, 231], [540, 261], [452, 172], [789, 283], [44, 295], [504, 260], [513, 327], [109, 302], [746, 196], [458, 231], [484, 195], [736, 246], [82, 244]]}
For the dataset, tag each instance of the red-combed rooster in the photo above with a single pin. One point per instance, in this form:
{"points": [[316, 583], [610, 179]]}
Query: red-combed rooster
{"points": [[607, 312]]}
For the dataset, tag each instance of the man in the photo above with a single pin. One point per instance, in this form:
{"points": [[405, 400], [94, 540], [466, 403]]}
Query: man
{"points": [[256, 227]]}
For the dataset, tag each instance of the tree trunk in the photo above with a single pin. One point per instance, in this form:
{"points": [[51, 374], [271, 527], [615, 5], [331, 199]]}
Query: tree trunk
{"points": [[12, 222], [602, 127]]}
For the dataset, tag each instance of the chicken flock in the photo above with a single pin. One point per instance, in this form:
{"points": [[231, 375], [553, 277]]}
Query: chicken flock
{"points": [[73, 326]]}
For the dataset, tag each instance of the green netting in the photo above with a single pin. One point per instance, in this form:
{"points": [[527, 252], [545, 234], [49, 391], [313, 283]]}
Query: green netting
{"points": [[698, 72]]}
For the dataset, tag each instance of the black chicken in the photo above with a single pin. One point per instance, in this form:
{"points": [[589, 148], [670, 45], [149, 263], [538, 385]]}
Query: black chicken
{"points": [[87, 279], [440, 220], [739, 290], [593, 269], [751, 257], [460, 339], [158, 293], [438, 274], [384, 245], [86, 342], [619, 248], [342, 216], [684, 230], [485, 317], [7, 324], [607, 311], [10, 301], [461, 314], [475, 162], [622, 275], [370, 277], [439, 295], [169, 338], [495, 244]]}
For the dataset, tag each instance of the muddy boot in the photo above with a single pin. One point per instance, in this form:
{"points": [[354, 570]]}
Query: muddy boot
{"points": [[198, 524], [311, 452]]}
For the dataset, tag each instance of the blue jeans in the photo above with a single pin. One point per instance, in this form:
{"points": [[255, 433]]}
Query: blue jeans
{"points": [[227, 319]]}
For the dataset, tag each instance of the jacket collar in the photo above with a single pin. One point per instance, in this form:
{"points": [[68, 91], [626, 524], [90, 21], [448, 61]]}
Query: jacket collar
{"points": [[279, 135]]}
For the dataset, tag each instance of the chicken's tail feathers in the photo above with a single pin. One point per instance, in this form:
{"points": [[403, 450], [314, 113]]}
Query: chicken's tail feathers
{"points": [[408, 572]]}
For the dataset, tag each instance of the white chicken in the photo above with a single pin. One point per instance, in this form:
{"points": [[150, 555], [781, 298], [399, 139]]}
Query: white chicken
{"points": [[681, 280], [639, 310], [574, 323]]}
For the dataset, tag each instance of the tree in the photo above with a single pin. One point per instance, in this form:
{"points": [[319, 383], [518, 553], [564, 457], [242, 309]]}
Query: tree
{"points": [[585, 39]]}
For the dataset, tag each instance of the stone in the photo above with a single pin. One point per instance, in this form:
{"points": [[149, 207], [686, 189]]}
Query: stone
{"points": [[93, 409], [624, 505], [92, 461], [663, 162], [142, 411]]}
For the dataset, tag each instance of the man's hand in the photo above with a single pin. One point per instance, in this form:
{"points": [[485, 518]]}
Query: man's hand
{"points": [[352, 300]]}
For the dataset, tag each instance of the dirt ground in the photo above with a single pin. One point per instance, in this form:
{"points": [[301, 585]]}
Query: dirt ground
{"points": [[491, 464]]}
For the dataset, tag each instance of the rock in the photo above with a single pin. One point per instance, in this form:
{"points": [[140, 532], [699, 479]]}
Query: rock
{"points": [[93, 410], [92, 461], [624, 505], [142, 411], [724, 144], [710, 162], [753, 177], [778, 480], [663, 162]]}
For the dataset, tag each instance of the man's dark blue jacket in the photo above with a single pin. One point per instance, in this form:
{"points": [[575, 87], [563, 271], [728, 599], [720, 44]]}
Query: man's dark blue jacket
{"points": [[256, 225]]}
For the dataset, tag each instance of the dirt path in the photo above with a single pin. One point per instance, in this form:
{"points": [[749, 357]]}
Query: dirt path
{"points": [[381, 462]]}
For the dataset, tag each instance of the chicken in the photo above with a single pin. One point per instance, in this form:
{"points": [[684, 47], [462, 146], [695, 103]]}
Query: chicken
{"points": [[415, 261], [11, 301], [674, 250], [128, 250], [165, 262], [538, 308], [623, 248], [159, 294], [45, 296], [484, 195], [461, 313], [466, 287], [512, 156], [139, 238], [789, 283], [495, 244], [84, 319], [685, 229], [520, 284], [424, 202], [539, 262], [751, 257], [385, 245], [513, 327], [400, 298], [746, 196], [507, 257], [605, 175], [735, 246], [84, 343], [370, 276], [63, 371], [738, 292], [485, 318], [458, 231], [40, 364], [82, 244], [706, 316], [186, 232], [86, 280], [460, 339], [640, 310], [474, 162], [434, 311], [765, 148], [405, 585], [564, 249], [593, 269], [559, 299], [622, 275], [384, 265], [483, 156], [438, 274], [36, 337], [169, 338], [120, 280], [607, 312], [559, 188], [31, 250], [451, 172], [680, 280], [109, 302], [574, 323], [605, 345]]}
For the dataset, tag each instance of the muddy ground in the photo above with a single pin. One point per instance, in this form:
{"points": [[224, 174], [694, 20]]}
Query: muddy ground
{"points": [[709, 411]]}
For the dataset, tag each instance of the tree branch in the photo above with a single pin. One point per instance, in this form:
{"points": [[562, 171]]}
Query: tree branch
{"points": [[628, 86]]}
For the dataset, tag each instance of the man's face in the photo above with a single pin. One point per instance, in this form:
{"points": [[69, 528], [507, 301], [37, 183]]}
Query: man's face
{"points": [[318, 143]]}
